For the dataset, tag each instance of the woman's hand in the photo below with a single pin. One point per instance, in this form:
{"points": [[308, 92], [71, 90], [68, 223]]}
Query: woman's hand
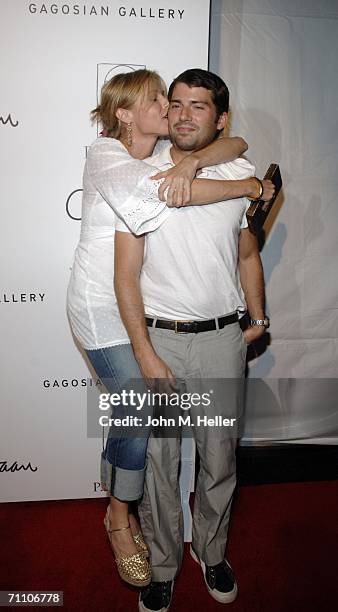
{"points": [[177, 182], [268, 189], [155, 371]]}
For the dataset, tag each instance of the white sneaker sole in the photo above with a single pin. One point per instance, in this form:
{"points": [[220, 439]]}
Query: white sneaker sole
{"points": [[142, 608], [223, 598]]}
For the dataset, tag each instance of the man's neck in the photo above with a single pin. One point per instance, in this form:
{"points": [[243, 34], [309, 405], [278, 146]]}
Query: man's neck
{"points": [[177, 154]]}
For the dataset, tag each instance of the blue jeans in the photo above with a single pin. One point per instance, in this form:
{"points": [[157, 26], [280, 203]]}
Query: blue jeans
{"points": [[123, 459]]}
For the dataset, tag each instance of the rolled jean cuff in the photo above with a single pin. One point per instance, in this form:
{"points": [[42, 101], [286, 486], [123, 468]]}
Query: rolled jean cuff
{"points": [[128, 485]]}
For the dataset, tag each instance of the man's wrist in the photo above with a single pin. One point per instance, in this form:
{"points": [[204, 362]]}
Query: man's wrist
{"points": [[262, 321]]}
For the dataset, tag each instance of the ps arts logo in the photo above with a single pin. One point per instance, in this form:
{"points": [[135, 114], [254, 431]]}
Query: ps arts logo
{"points": [[73, 205], [105, 72], [9, 121], [98, 487]]}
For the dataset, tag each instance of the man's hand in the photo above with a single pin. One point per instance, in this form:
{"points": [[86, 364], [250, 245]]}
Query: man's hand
{"points": [[253, 333], [178, 182], [156, 373]]}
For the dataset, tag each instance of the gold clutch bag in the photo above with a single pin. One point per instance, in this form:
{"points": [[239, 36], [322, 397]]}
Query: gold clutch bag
{"points": [[258, 211]]}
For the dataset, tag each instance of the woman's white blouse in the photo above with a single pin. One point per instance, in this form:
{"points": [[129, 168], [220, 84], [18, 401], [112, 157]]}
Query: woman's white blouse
{"points": [[114, 184]]}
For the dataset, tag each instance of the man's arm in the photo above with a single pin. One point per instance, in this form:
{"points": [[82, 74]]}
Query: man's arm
{"points": [[252, 281], [128, 264]]}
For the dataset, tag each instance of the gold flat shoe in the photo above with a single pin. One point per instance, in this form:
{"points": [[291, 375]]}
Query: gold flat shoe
{"points": [[133, 569], [140, 544]]}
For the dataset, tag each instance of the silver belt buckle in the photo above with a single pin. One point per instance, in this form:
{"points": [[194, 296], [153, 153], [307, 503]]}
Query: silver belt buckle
{"points": [[176, 330]]}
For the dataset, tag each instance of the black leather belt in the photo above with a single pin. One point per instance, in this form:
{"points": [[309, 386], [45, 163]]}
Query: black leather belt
{"points": [[193, 327]]}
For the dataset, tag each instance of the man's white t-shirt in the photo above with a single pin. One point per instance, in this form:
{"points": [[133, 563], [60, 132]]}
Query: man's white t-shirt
{"points": [[190, 269]]}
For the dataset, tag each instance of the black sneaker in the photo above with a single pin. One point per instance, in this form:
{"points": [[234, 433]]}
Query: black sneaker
{"points": [[156, 596], [220, 579]]}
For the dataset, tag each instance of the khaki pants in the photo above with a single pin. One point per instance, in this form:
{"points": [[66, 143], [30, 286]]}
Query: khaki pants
{"points": [[203, 361]]}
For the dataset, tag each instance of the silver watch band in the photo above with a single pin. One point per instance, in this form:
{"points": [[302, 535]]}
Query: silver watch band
{"points": [[260, 322]]}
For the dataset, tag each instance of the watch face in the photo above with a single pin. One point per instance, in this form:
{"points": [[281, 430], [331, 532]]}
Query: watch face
{"points": [[261, 322]]}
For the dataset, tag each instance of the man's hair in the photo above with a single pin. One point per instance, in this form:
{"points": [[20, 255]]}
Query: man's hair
{"points": [[196, 77]]}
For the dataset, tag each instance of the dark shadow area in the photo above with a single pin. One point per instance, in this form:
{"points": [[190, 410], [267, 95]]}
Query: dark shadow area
{"points": [[286, 463]]}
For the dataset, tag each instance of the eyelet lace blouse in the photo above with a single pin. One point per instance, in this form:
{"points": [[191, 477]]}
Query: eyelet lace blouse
{"points": [[114, 185]]}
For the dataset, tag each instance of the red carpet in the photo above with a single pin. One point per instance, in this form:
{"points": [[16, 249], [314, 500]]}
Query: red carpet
{"points": [[283, 546]]}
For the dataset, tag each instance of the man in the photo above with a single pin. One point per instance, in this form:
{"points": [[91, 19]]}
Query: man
{"points": [[196, 267]]}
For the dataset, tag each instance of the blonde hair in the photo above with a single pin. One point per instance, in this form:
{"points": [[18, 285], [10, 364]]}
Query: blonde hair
{"points": [[122, 91]]}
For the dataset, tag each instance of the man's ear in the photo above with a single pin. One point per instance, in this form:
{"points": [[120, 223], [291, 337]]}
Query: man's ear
{"points": [[124, 115], [222, 121]]}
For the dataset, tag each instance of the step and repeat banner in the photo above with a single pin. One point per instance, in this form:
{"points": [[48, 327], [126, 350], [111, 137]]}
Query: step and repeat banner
{"points": [[55, 58], [279, 61]]}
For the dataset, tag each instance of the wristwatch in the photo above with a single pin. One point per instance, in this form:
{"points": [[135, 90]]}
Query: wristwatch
{"points": [[261, 322]]}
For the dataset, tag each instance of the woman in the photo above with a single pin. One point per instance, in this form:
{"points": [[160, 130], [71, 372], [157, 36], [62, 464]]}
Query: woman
{"points": [[116, 181]]}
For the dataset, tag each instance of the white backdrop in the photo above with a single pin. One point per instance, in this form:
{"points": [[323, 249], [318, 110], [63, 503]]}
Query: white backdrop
{"points": [[55, 56], [279, 59]]}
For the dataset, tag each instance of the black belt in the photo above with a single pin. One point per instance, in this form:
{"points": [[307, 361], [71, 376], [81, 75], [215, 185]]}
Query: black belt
{"points": [[193, 327]]}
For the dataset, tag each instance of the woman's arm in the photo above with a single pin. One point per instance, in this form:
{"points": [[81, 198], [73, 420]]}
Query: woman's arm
{"points": [[180, 177], [128, 263], [124, 184], [219, 151], [233, 180], [206, 191]]}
